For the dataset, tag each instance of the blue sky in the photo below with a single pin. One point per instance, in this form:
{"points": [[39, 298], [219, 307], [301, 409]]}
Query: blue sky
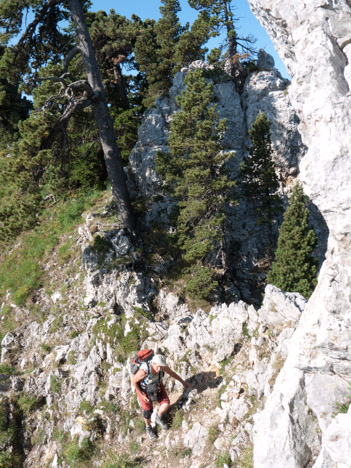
{"points": [[248, 24]]}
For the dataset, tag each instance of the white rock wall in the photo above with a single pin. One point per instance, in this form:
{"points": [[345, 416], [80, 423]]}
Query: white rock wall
{"points": [[314, 40]]}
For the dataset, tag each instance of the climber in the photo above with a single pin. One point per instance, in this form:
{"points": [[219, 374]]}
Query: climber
{"points": [[147, 382]]}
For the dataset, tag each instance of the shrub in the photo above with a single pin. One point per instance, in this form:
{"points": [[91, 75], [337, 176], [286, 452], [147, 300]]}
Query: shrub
{"points": [[223, 459], [76, 455], [55, 384], [213, 434], [27, 402], [177, 420], [6, 369]]}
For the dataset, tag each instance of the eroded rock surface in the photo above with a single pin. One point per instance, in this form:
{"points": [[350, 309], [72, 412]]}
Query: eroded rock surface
{"points": [[313, 39]]}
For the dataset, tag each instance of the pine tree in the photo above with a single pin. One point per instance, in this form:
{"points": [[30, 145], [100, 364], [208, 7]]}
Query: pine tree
{"points": [[194, 172], [165, 46], [259, 178], [13, 108], [114, 38], [155, 49], [295, 267], [221, 16], [44, 41]]}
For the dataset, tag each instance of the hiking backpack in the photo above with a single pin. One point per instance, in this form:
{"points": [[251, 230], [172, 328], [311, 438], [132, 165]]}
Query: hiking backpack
{"points": [[145, 355]]}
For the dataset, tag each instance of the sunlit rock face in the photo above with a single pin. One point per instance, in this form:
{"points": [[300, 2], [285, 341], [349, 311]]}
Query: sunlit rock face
{"points": [[314, 40], [265, 91]]}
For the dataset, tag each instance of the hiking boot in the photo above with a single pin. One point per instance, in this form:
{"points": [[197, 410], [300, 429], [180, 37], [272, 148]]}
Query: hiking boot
{"points": [[161, 422], [150, 433]]}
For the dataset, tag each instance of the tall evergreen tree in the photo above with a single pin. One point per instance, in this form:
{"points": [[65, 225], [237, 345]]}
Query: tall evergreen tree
{"points": [[259, 178], [155, 48], [195, 174], [165, 46], [295, 267], [43, 41]]}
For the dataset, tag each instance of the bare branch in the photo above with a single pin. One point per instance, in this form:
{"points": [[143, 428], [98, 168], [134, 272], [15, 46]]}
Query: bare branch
{"points": [[59, 79], [81, 84], [76, 50], [50, 101], [78, 104], [67, 90], [73, 106]]}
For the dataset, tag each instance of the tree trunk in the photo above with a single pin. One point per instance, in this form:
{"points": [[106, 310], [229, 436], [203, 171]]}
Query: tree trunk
{"points": [[103, 119]]}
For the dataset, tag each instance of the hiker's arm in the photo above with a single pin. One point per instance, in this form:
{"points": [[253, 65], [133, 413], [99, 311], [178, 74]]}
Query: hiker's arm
{"points": [[177, 377], [137, 377]]}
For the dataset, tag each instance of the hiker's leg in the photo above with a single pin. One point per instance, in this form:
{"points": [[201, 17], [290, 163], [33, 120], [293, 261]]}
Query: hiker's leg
{"points": [[163, 401], [147, 408], [147, 417], [163, 409]]}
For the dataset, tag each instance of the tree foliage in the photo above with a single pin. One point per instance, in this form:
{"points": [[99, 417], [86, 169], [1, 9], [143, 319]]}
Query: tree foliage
{"points": [[163, 47], [295, 267], [65, 94], [221, 16], [114, 38], [13, 108], [195, 175], [259, 178]]}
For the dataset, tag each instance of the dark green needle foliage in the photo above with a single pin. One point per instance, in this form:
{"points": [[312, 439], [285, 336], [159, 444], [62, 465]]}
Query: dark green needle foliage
{"points": [[195, 175], [165, 46], [67, 143], [259, 178], [295, 267], [155, 49]]}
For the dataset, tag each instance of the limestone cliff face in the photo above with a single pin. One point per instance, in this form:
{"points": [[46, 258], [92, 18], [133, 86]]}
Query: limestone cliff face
{"points": [[314, 40], [263, 91]]}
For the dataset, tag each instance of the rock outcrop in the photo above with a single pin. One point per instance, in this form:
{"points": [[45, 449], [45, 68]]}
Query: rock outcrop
{"points": [[314, 40], [264, 91], [79, 394]]}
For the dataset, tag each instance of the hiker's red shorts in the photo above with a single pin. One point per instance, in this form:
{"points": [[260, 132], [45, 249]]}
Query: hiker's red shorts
{"points": [[162, 397]]}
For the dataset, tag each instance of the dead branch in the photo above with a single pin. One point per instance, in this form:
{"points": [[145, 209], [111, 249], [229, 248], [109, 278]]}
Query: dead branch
{"points": [[67, 90], [80, 84], [73, 106]]}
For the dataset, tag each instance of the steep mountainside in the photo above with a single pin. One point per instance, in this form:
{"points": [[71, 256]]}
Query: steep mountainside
{"points": [[314, 40], [66, 397], [268, 381]]}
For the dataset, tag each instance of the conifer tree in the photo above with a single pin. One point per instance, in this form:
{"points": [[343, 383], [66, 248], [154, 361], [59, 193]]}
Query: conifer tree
{"points": [[13, 108], [295, 267], [259, 178], [194, 171], [165, 46], [44, 41], [221, 16], [114, 37], [155, 49]]}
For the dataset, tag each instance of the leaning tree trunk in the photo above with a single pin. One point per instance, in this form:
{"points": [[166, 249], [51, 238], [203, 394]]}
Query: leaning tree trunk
{"points": [[103, 119]]}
